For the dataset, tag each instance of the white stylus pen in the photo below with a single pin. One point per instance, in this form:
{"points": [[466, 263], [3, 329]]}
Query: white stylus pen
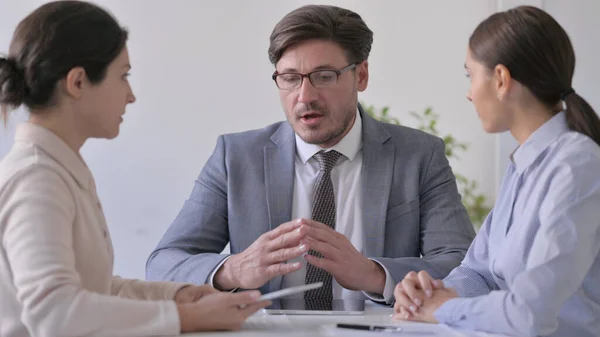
{"points": [[290, 291]]}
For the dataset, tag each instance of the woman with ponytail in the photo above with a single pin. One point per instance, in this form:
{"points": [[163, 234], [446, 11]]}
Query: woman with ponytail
{"points": [[534, 267]]}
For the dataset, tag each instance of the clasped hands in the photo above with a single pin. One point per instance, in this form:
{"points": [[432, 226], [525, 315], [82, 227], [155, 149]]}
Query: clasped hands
{"points": [[418, 296]]}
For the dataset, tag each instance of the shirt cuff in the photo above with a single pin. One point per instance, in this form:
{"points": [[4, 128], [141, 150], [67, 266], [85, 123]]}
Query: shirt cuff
{"points": [[211, 277], [388, 292], [172, 319], [451, 311]]}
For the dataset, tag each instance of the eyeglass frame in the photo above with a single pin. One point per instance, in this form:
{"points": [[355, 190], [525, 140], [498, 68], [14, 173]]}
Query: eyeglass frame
{"points": [[338, 73]]}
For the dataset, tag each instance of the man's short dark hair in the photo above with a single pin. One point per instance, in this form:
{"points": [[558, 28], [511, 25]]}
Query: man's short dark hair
{"points": [[322, 22]]}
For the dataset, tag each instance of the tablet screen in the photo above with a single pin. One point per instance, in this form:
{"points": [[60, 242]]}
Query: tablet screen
{"points": [[296, 306]]}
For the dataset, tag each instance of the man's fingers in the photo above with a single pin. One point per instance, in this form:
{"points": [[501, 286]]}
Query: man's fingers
{"points": [[288, 239], [283, 255], [283, 228], [316, 224], [322, 263], [321, 233], [282, 269], [325, 248]]}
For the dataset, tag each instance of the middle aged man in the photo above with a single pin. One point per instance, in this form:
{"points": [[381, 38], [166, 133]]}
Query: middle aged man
{"points": [[376, 200]]}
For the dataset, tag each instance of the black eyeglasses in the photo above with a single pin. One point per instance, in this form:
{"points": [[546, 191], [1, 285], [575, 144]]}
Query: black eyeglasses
{"points": [[319, 78]]}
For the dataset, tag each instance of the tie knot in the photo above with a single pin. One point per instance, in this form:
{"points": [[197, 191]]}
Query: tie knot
{"points": [[327, 160]]}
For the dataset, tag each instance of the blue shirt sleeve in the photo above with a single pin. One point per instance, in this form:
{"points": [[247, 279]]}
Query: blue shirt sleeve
{"points": [[561, 254], [472, 277]]}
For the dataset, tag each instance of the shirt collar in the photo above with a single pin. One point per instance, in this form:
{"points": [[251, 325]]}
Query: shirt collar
{"points": [[539, 141], [348, 146], [58, 150]]}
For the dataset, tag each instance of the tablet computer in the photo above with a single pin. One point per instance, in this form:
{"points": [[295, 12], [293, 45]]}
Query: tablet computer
{"points": [[295, 306]]}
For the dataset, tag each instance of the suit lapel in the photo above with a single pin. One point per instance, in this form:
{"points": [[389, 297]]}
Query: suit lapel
{"points": [[377, 170], [279, 180]]}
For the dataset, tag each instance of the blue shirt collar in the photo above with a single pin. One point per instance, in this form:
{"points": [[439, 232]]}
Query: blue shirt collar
{"points": [[539, 141]]}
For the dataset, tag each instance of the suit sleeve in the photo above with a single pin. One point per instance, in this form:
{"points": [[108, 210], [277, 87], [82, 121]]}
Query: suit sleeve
{"points": [[190, 249], [445, 229]]}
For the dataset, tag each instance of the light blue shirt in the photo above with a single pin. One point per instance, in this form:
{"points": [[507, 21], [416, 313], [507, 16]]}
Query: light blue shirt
{"points": [[534, 267]]}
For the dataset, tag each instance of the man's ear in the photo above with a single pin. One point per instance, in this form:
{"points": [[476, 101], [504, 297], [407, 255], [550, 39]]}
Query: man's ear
{"points": [[362, 72]]}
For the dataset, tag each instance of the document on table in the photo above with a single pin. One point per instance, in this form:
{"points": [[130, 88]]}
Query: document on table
{"points": [[403, 330]]}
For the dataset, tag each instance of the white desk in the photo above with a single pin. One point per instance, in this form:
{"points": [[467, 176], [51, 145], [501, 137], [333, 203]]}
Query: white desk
{"points": [[299, 325]]}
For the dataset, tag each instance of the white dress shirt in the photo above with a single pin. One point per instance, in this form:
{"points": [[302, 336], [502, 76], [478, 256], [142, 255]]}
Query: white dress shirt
{"points": [[56, 256]]}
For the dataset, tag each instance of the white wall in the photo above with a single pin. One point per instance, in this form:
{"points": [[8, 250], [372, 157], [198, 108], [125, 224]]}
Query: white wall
{"points": [[200, 69]]}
